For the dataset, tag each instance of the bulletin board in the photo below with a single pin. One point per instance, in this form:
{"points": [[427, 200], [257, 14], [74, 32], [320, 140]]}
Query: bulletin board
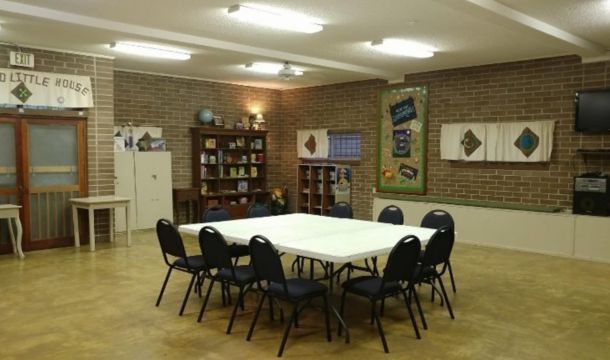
{"points": [[402, 133]]}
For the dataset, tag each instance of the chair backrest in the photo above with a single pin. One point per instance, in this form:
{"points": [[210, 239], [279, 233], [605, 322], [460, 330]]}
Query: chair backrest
{"points": [[170, 240], [391, 214], [266, 261], [341, 210], [437, 218], [216, 213], [258, 210], [215, 250], [439, 247], [402, 260]]}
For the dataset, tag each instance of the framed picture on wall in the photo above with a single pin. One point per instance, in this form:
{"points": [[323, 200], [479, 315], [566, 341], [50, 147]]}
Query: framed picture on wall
{"points": [[401, 142]]}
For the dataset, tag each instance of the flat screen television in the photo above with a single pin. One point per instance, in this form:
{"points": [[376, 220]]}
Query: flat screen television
{"points": [[593, 111]]}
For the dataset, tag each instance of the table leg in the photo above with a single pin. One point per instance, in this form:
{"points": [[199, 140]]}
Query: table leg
{"points": [[75, 224], [127, 225], [19, 237], [11, 234], [91, 230], [111, 222]]}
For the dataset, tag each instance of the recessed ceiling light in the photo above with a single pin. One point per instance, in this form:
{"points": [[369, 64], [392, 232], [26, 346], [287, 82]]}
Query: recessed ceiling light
{"points": [[151, 50], [403, 48], [271, 68], [276, 20]]}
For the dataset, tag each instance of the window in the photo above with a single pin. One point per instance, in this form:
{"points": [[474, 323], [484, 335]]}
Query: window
{"points": [[344, 146]]}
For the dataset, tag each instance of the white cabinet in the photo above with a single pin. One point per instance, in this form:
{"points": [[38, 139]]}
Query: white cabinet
{"points": [[146, 178]]}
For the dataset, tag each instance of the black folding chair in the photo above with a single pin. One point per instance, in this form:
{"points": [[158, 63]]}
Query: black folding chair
{"points": [[218, 213], [436, 219], [390, 214], [437, 253], [217, 256], [272, 282], [172, 245], [258, 210], [400, 269]]}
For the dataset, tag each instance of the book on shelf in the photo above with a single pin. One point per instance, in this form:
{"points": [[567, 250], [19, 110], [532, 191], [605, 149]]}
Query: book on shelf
{"points": [[204, 158], [240, 141], [241, 171], [258, 144], [260, 158], [221, 172], [210, 143], [253, 171], [220, 156], [242, 185], [253, 158], [232, 172], [204, 172]]}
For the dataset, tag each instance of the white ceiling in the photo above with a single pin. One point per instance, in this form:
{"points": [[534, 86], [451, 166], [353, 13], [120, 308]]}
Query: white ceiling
{"points": [[465, 32]]}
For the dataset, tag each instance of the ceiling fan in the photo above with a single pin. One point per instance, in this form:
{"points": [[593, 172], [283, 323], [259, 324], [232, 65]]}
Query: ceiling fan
{"points": [[288, 73]]}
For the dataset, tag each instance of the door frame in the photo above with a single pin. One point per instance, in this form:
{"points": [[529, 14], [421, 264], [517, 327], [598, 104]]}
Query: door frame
{"points": [[22, 190]]}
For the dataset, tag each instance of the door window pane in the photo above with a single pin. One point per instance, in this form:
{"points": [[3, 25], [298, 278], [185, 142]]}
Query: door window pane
{"points": [[8, 174], [53, 155]]}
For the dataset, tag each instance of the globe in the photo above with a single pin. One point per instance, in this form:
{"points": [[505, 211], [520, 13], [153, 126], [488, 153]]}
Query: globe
{"points": [[206, 116]]}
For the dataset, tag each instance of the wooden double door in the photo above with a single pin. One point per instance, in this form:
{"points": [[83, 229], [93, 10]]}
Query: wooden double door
{"points": [[42, 166]]}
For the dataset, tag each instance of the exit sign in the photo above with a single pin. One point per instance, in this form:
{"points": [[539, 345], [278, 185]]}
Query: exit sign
{"points": [[22, 59]]}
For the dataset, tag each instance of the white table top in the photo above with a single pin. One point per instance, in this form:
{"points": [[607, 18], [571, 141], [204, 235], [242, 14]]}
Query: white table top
{"points": [[9, 207], [319, 237], [92, 200]]}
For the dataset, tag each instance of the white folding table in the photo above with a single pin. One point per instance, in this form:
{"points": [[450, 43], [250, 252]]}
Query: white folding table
{"points": [[329, 239]]}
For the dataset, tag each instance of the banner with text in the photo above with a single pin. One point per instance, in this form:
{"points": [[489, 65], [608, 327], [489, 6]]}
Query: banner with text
{"points": [[22, 87]]}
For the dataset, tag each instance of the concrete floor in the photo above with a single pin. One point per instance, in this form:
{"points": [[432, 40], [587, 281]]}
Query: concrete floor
{"points": [[73, 304]]}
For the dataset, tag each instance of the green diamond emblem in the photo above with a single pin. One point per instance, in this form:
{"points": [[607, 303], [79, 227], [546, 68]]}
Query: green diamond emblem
{"points": [[21, 92], [470, 143]]}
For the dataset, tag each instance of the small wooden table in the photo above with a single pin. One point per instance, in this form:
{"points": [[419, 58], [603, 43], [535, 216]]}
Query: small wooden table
{"points": [[109, 202], [190, 196], [9, 212]]}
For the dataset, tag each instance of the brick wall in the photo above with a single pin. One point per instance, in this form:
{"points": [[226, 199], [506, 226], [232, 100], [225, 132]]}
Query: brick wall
{"points": [[520, 91], [172, 103], [341, 107]]}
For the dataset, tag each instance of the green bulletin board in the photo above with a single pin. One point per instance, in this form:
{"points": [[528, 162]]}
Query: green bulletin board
{"points": [[401, 148]]}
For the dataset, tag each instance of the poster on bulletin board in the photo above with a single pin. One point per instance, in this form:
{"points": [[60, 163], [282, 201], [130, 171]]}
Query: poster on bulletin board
{"points": [[401, 147]]}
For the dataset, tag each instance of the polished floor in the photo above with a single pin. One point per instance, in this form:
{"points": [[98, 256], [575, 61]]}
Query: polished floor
{"points": [[72, 304]]}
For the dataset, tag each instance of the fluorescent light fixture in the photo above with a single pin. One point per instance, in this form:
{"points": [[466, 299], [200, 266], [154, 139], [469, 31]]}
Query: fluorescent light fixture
{"points": [[403, 48], [275, 20], [151, 50], [271, 68]]}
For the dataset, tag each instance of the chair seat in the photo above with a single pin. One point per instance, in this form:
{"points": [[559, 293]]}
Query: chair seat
{"points": [[369, 286], [244, 274], [239, 250], [298, 288], [196, 262]]}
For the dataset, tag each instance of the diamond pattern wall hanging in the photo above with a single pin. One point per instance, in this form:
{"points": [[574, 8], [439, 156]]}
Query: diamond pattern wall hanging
{"points": [[311, 144], [470, 142], [527, 142], [21, 92]]}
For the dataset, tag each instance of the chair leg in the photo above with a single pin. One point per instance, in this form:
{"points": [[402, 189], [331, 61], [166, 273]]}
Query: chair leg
{"points": [[186, 296], [451, 276], [255, 318], [293, 317], [413, 322], [380, 328], [169, 271], [440, 281], [327, 318], [271, 308], [240, 298], [205, 301], [341, 309], [382, 307], [419, 309]]}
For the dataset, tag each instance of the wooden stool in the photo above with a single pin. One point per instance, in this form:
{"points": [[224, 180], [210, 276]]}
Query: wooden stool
{"points": [[190, 196]]}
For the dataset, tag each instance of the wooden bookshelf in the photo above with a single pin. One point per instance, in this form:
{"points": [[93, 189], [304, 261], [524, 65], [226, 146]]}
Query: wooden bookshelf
{"points": [[229, 168]]}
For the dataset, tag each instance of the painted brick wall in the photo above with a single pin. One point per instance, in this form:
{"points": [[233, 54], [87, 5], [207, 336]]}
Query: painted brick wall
{"points": [[340, 107], [520, 91], [172, 103], [100, 157]]}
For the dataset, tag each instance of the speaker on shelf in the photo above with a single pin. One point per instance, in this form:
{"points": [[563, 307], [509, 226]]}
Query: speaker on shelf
{"points": [[591, 195]]}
